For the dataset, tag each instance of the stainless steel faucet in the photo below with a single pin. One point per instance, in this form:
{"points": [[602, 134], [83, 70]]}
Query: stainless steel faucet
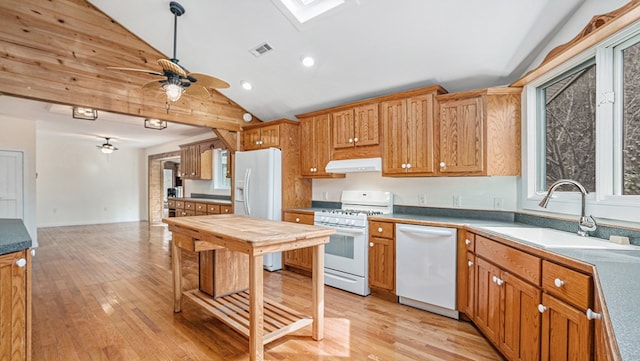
{"points": [[587, 223]]}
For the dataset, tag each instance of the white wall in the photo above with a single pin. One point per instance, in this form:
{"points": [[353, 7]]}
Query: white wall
{"points": [[476, 192], [20, 135], [78, 184]]}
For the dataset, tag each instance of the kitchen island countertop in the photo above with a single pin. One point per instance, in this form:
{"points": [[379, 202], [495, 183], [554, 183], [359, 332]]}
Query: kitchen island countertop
{"points": [[13, 236]]}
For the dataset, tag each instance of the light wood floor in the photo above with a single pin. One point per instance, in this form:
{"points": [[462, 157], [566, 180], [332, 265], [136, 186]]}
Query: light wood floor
{"points": [[103, 292]]}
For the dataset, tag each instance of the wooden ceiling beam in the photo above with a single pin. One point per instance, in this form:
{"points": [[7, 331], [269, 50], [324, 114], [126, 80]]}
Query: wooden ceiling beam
{"points": [[59, 51]]}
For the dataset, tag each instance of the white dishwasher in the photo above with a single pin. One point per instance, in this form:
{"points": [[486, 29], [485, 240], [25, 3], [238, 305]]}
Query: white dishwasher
{"points": [[426, 268]]}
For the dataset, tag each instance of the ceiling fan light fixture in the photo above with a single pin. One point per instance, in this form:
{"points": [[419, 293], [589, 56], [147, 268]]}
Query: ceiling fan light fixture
{"points": [[155, 124], [173, 91], [107, 148], [85, 113]]}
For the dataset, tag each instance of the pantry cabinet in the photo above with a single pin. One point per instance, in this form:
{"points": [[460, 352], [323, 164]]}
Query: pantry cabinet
{"points": [[298, 260], [15, 305], [408, 134], [315, 149], [382, 259], [479, 132]]}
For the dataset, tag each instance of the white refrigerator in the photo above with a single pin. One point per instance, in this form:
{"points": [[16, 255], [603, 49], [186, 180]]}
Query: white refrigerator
{"points": [[258, 190]]}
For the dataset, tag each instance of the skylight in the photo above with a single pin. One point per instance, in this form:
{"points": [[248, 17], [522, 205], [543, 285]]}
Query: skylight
{"points": [[305, 10]]}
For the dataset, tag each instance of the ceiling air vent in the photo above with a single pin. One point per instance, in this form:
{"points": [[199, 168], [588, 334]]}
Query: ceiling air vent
{"points": [[261, 49]]}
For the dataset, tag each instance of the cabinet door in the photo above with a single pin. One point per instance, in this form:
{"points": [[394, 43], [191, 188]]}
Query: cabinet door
{"points": [[487, 316], [342, 124], [395, 130], [566, 333], [13, 306], [419, 130], [270, 136], [366, 127], [519, 337], [308, 147], [299, 258], [461, 136], [466, 285], [251, 138], [382, 263]]}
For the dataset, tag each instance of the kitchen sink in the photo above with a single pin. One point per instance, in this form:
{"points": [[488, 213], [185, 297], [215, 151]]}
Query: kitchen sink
{"points": [[552, 238]]}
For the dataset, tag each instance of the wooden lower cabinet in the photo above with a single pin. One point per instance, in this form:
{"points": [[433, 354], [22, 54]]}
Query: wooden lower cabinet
{"points": [[15, 306], [566, 331], [298, 260], [233, 278], [382, 259], [466, 286]]}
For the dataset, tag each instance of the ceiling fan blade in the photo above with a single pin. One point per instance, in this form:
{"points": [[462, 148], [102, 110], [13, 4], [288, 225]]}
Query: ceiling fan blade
{"points": [[198, 91], [156, 84], [168, 65], [208, 81], [152, 72]]}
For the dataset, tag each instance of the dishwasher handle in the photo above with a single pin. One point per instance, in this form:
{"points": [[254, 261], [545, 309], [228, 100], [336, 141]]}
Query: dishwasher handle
{"points": [[426, 231]]}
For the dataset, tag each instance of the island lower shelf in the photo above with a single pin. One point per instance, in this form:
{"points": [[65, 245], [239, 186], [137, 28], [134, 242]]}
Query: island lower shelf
{"points": [[233, 310]]}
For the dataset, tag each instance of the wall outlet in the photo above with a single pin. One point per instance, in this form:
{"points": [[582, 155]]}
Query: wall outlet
{"points": [[325, 196], [498, 203], [457, 201], [422, 199]]}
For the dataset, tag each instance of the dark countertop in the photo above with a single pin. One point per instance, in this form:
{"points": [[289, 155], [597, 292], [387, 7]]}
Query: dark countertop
{"points": [[202, 200], [13, 236], [617, 270]]}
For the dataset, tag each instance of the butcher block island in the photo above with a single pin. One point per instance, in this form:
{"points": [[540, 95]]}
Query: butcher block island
{"points": [[241, 242]]}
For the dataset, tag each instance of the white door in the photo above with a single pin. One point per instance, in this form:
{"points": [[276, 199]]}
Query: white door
{"points": [[11, 202]]}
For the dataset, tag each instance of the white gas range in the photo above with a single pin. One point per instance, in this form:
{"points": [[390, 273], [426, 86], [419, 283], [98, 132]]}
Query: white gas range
{"points": [[346, 255]]}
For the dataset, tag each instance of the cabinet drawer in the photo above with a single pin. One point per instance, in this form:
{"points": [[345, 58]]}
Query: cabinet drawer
{"points": [[179, 204], [213, 208], [185, 213], [201, 207], [469, 240], [571, 286], [189, 205], [301, 218], [226, 209], [171, 203], [381, 229], [526, 266]]}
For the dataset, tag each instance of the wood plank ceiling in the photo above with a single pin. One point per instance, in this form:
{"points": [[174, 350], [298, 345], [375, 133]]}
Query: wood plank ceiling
{"points": [[59, 50]]}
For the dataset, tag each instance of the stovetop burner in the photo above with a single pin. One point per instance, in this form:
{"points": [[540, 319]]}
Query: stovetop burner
{"points": [[352, 212]]}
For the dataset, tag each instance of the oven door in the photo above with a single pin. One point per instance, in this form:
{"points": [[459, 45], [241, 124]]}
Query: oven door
{"points": [[346, 251]]}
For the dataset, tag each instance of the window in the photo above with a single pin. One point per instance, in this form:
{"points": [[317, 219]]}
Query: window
{"points": [[220, 169], [583, 123]]}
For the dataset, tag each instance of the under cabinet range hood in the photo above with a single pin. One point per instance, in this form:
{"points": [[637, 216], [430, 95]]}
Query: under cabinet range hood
{"points": [[354, 165]]}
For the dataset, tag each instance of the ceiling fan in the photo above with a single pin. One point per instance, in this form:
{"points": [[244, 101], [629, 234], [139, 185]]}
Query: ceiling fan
{"points": [[107, 148], [177, 79]]}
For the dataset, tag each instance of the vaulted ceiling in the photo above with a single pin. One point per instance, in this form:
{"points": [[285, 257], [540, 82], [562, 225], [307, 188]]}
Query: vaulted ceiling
{"points": [[59, 51]]}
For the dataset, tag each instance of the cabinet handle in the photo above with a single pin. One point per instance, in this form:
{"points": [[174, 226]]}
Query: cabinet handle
{"points": [[350, 140], [403, 166], [442, 165], [21, 262], [541, 308], [467, 242], [379, 229], [33, 252], [408, 165], [498, 281], [355, 140], [558, 282], [593, 315], [470, 263], [297, 220], [226, 211], [370, 244]]}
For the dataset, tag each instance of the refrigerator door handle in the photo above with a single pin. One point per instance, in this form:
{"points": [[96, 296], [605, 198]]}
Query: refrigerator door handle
{"points": [[247, 195]]}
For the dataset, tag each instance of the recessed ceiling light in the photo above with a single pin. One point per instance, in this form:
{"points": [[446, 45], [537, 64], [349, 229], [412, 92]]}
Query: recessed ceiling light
{"points": [[246, 85], [308, 61]]}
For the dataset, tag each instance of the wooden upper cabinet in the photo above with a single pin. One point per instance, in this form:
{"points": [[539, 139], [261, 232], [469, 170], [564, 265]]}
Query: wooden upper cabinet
{"points": [[315, 147], [261, 137], [479, 132], [196, 161], [408, 131], [356, 127]]}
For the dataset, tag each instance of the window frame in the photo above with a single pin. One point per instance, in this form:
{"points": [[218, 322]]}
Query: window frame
{"points": [[219, 175], [606, 202]]}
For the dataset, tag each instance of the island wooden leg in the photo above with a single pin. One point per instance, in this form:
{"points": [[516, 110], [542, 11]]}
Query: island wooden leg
{"points": [[317, 292], [256, 309], [176, 268]]}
